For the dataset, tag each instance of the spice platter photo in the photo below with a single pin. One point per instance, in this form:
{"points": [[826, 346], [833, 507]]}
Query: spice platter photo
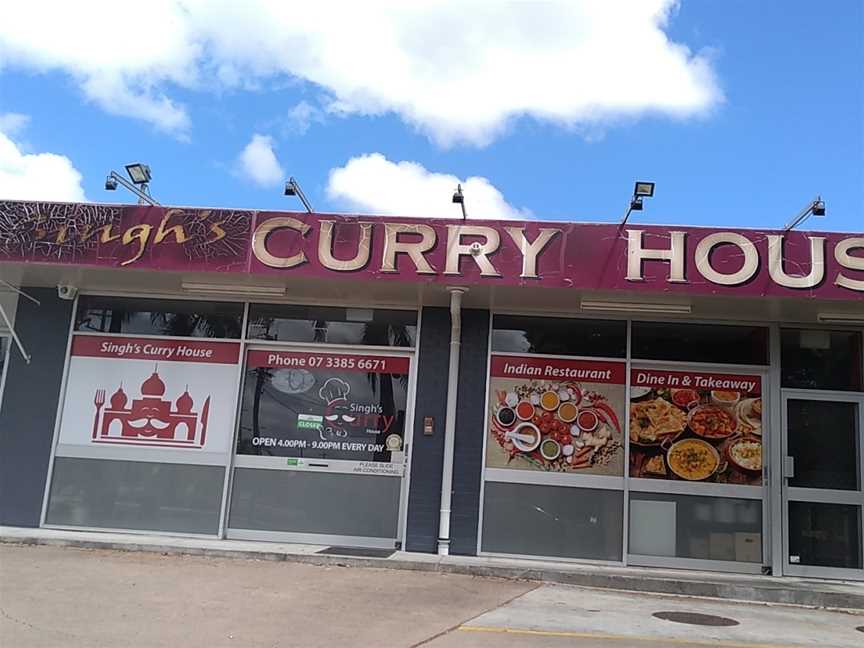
{"points": [[556, 415]]}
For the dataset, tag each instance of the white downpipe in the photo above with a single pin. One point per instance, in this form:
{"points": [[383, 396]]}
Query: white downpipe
{"points": [[450, 420]]}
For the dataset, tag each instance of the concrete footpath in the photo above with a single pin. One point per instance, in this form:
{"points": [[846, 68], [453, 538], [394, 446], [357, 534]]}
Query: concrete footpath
{"points": [[789, 591], [67, 597]]}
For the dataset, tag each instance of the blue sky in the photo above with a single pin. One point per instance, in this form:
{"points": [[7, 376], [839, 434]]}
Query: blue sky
{"points": [[786, 122]]}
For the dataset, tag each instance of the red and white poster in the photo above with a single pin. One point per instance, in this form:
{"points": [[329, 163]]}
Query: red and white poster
{"points": [[148, 392], [556, 415]]}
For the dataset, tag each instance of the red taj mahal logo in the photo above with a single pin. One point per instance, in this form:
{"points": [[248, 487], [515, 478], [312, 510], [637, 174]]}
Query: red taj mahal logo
{"points": [[150, 420]]}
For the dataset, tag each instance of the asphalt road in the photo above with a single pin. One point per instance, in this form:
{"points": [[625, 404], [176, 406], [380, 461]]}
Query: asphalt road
{"points": [[77, 598]]}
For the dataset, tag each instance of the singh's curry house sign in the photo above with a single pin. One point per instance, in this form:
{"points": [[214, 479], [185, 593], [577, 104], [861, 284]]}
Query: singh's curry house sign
{"points": [[585, 256]]}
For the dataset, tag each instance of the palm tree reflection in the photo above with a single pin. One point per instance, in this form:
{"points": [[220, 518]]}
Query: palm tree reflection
{"points": [[373, 334]]}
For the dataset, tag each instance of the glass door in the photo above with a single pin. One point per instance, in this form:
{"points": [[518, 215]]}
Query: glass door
{"points": [[823, 484], [322, 446]]}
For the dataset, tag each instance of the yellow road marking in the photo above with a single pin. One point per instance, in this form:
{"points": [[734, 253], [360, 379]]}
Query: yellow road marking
{"points": [[613, 637]]}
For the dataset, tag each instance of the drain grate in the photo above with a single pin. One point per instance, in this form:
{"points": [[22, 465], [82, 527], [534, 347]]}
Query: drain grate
{"points": [[358, 552], [695, 618]]}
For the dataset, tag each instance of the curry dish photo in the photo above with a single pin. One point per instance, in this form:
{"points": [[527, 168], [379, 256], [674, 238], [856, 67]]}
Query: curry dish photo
{"points": [[693, 459]]}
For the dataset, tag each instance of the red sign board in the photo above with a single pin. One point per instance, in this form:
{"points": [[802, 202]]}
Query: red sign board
{"points": [[557, 369], [662, 379], [132, 348], [345, 362], [582, 256]]}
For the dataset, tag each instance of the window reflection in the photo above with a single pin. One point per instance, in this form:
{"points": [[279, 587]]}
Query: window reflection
{"points": [[825, 535], [329, 325], [181, 318], [287, 413], [559, 336], [700, 343], [821, 359], [823, 439]]}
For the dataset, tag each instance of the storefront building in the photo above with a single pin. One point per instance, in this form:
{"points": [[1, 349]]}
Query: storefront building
{"points": [[637, 395]]}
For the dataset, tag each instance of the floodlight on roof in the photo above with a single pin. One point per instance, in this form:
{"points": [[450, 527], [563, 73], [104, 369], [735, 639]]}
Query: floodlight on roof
{"points": [[815, 207], [459, 199], [645, 189], [138, 173], [292, 188], [458, 196], [142, 191], [641, 190]]}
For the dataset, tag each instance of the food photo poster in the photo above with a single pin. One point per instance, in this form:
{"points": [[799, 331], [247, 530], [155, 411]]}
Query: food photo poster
{"points": [[692, 426], [556, 415]]}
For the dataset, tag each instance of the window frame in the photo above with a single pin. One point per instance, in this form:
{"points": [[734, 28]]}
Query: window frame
{"points": [[765, 493], [5, 357]]}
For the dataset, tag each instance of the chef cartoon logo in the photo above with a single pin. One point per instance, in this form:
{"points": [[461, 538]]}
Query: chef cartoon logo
{"points": [[334, 392], [342, 416], [151, 419]]}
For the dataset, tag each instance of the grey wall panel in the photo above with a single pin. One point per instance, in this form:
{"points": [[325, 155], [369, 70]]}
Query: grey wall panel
{"points": [[553, 521], [323, 503], [424, 498], [29, 405], [468, 452], [137, 495]]}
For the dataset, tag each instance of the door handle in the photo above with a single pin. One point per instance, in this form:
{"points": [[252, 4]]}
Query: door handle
{"points": [[788, 467]]}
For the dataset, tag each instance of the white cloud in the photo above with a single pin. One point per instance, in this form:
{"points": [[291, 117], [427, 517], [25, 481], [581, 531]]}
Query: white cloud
{"points": [[302, 116], [117, 52], [458, 72], [13, 123], [117, 98], [372, 183], [258, 162], [34, 176]]}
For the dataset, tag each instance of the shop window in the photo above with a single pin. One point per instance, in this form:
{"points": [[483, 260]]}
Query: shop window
{"points": [[330, 325], [324, 406], [552, 521], [696, 426], [182, 318], [823, 440], [559, 336], [556, 415], [825, 535], [700, 343], [821, 359], [136, 495], [317, 503], [703, 528]]}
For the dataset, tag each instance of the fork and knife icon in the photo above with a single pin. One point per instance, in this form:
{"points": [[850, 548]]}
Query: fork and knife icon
{"points": [[98, 401]]}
